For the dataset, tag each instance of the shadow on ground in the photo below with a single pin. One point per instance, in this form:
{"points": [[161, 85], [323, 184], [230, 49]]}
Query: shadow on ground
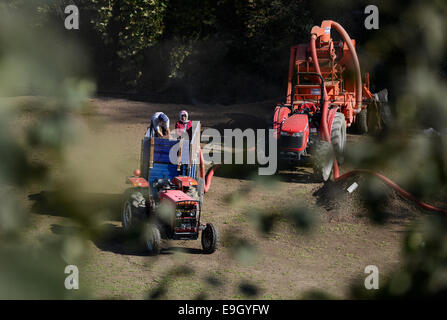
{"points": [[249, 172], [112, 238], [241, 121], [52, 203]]}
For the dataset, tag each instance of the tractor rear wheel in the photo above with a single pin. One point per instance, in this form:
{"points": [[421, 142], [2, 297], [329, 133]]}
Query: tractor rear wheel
{"points": [[210, 238], [338, 135], [385, 111], [152, 239], [361, 121]]}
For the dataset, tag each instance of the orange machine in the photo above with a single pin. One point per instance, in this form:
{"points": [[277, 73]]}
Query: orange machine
{"points": [[339, 66]]}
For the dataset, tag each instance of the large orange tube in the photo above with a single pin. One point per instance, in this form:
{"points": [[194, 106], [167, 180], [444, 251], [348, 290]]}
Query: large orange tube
{"points": [[395, 187], [321, 31], [209, 175], [348, 41]]}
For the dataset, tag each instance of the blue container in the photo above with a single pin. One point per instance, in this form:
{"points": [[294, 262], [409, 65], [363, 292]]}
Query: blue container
{"points": [[162, 167]]}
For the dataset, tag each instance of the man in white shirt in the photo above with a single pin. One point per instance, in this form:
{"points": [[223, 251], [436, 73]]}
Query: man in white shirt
{"points": [[159, 127]]}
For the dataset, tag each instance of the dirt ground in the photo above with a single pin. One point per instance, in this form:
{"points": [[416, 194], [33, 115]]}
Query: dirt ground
{"points": [[285, 264]]}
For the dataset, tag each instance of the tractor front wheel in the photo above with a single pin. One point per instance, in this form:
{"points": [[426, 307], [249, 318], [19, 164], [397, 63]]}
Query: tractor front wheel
{"points": [[134, 209], [322, 160], [210, 238]]}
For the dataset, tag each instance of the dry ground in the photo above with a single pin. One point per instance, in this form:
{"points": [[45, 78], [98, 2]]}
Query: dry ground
{"points": [[287, 263]]}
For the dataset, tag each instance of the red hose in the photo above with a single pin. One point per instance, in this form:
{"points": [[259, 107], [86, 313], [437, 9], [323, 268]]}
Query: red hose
{"points": [[325, 136], [348, 41], [209, 175], [393, 185]]}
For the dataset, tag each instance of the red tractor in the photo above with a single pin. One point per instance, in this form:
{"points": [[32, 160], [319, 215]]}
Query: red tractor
{"points": [[166, 202], [325, 95]]}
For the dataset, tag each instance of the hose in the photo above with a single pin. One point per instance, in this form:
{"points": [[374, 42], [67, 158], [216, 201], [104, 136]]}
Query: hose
{"points": [[394, 186], [209, 175]]}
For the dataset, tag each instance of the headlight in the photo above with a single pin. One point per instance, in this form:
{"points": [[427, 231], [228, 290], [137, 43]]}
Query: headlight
{"points": [[297, 134], [283, 133], [192, 213], [178, 213]]}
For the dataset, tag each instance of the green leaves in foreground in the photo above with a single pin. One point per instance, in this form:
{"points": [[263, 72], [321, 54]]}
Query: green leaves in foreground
{"points": [[33, 131]]}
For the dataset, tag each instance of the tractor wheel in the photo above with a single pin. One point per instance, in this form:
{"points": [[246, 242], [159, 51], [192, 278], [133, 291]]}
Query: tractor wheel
{"points": [[152, 239], [134, 208], [323, 160], [210, 238], [385, 111], [361, 121], [282, 164], [338, 135]]}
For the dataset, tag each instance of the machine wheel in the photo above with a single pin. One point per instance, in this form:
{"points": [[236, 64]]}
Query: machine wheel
{"points": [[282, 164], [210, 238], [323, 160], [385, 111], [134, 208], [361, 121], [338, 135], [152, 239]]}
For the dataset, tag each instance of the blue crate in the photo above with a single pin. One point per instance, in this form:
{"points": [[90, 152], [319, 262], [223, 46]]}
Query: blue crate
{"points": [[162, 167], [162, 148], [165, 170], [161, 153]]}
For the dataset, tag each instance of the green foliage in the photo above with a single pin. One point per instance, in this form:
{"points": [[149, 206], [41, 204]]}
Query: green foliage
{"points": [[131, 26], [415, 158], [33, 62], [205, 47]]}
